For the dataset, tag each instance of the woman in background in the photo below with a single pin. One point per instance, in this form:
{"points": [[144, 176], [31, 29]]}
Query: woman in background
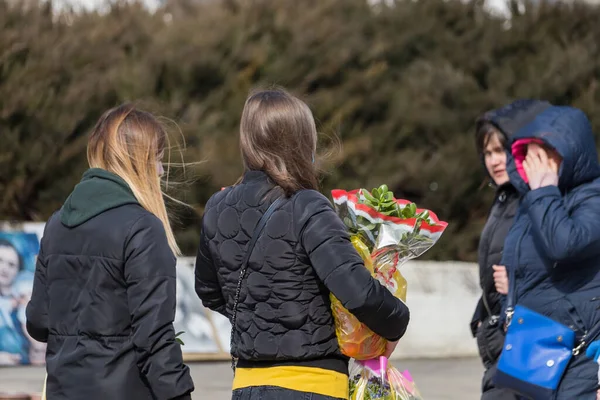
{"points": [[553, 248], [104, 289], [494, 130], [284, 334]]}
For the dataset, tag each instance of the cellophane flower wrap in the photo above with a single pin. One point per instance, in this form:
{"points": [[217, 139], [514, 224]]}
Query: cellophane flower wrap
{"points": [[378, 380], [387, 232]]}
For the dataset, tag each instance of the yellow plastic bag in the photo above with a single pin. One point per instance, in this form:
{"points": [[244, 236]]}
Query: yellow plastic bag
{"points": [[356, 340]]}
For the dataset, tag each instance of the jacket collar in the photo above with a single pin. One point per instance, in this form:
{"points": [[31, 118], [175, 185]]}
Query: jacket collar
{"points": [[252, 175]]}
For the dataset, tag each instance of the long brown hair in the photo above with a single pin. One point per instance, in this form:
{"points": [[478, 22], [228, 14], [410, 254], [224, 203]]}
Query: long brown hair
{"points": [[278, 135], [130, 143]]}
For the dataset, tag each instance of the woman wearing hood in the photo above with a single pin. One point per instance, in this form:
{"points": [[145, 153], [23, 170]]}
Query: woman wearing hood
{"points": [[492, 135], [552, 252]]}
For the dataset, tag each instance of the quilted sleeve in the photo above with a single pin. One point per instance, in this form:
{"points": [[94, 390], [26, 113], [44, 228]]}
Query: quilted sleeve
{"points": [[151, 292], [207, 284], [327, 243], [566, 235], [37, 309]]}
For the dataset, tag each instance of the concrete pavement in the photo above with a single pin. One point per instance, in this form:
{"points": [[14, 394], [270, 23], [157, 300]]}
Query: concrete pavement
{"points": [[443, 379]]}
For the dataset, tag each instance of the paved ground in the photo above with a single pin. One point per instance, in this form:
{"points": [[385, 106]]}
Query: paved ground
{"points": [[456, 379]]}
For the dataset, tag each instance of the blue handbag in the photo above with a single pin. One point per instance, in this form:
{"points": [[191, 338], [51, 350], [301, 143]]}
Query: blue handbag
{"points": [[537, 351]]}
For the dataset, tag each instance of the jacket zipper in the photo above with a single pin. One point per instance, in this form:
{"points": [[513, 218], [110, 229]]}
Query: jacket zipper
{"points": [[492, 319], [493, 232]]}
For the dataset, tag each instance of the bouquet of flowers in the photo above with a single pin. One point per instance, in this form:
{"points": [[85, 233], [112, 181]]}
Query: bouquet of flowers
{"points": [[386, 232], [377, 380]]}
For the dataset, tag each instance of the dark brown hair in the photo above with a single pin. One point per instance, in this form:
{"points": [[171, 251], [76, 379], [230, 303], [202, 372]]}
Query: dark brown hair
{"points": [[278, 135], [484, 134]]}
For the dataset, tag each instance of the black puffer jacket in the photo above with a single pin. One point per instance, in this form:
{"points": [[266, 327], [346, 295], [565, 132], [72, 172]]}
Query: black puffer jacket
{"points": [[491, 246], [104, 299], [303, 254]]}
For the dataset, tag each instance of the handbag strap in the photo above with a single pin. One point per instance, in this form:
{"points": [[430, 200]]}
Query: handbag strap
{"points": [[244, 266], [511, 298], [587, 338]]}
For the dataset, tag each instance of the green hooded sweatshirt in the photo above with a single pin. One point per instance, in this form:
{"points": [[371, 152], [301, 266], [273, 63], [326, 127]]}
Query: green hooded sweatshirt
{"points": [[98, 191]]}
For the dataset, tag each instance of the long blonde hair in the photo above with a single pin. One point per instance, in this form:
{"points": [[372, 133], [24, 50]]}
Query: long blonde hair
{"points": [[130, 143], [278, 135]]}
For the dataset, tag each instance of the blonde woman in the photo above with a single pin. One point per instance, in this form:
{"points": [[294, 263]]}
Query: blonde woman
{"points": [[271, 251], [104, 290]]}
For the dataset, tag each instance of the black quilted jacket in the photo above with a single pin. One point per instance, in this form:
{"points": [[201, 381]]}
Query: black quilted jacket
{"points": [[104, 299], [303, 254]]}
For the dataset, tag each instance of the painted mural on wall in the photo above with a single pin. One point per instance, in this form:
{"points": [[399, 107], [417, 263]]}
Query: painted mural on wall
{"points": [[18, 253]]}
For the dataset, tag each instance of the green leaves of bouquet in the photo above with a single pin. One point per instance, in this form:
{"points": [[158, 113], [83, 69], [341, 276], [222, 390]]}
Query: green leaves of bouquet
{"points": [[177, 338], [382, 200]]}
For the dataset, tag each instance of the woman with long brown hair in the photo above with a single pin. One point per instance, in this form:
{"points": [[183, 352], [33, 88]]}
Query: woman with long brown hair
{"points": [[104, 289], [271, 251]]}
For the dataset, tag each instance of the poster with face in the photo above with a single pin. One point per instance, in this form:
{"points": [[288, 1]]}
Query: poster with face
{"points": [[18, 253]]}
